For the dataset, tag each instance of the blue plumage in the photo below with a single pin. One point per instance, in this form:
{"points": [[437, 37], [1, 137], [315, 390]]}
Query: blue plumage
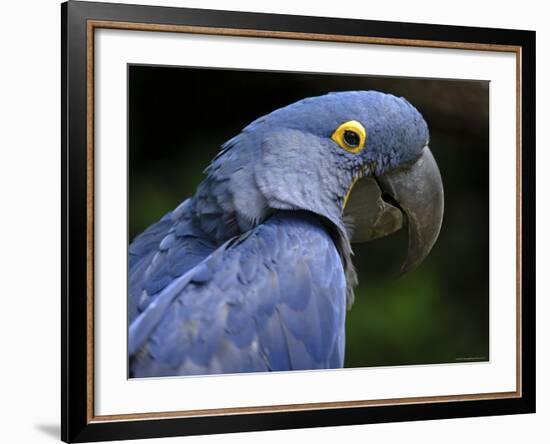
{"points": [[253, 273], [285, 311]]}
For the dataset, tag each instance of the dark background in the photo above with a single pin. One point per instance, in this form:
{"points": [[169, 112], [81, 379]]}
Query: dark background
{"points": [[178, 118]]}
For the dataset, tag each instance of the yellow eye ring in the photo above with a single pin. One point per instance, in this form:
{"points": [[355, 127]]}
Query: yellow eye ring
{"points": [[351, 136]]}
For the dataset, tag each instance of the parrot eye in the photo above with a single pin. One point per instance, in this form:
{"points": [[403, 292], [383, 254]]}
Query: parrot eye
{"points": [[351, 136]]}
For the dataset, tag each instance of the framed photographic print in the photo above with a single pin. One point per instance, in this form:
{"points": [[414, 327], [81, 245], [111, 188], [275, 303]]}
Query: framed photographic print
{"points": [[277, 221]]}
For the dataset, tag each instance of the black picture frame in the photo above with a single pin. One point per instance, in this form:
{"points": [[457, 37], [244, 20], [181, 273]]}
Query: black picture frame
{"points": [[77, 423]]}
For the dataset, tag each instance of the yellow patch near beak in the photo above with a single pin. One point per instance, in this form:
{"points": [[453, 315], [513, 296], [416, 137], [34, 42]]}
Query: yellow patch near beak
{"points": [[346, 197]]}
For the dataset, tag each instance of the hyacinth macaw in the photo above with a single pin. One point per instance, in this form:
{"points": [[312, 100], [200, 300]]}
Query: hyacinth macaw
{"points": [[254, 272]]}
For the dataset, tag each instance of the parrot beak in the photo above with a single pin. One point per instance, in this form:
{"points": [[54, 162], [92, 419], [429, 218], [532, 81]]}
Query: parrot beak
{"points": [[412, 194]]}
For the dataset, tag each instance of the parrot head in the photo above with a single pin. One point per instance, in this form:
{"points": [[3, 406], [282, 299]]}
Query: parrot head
{"points": [[358, 159]]}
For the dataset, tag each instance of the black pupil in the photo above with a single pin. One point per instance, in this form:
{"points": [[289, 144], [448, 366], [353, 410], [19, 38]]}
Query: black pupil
{"points": [[351, 138]]}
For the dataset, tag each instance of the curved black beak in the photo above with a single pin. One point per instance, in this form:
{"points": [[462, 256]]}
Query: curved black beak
{"points": [[412, 194]]}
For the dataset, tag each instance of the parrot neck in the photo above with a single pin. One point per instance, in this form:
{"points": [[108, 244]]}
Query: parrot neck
{"points": [[245, 186], [213, 209]]}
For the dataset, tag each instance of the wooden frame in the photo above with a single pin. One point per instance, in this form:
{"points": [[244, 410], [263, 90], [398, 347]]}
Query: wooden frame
{"points": [[79, 21]]}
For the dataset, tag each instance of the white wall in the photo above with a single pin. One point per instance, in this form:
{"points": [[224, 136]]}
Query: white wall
{"points": [[30, 207]]}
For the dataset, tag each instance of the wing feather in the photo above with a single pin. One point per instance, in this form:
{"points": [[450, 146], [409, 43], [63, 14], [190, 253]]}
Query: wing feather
{"points": [[163, 253], [272, 299]]}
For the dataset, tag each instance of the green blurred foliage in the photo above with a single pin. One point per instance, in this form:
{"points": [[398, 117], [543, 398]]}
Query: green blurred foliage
{"points": [[437, 314]]}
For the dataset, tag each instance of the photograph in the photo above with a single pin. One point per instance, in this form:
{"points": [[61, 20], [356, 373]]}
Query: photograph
{"points": [[282, 221], [265, 221]]}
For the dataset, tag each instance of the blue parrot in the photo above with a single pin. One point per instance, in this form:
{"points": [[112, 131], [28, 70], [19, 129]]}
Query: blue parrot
{"points": [[254, 273]]}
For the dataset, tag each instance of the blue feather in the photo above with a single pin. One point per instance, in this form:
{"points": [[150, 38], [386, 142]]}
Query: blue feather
{"points": [[260, 324]]}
